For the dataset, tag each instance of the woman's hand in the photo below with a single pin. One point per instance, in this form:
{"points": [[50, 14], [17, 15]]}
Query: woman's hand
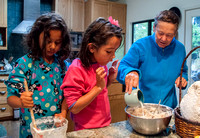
{"points": [[26, 99], [184, 82], [113, 71], [100, 77], [131, 80]]}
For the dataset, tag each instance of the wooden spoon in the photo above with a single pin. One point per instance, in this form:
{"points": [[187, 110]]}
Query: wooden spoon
{"points": [[31, 110]]}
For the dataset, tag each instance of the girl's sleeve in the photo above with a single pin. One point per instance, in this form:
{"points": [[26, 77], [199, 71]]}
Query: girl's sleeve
{"points": [[73, 85], [16, 77]]}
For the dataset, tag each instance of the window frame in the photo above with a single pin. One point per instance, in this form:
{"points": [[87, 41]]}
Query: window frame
{"points": [[144, 21]]}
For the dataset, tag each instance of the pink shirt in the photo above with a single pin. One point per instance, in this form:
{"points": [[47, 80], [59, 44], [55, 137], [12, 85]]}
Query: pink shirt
{"points": [[79, 81]]}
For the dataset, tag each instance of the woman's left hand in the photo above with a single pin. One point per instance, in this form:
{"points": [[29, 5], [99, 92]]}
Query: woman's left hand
{"points": [[184, 82], [113, 70]]}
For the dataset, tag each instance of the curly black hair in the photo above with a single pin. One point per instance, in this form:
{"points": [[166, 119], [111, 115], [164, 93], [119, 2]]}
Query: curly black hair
{"points": [[45, 23]]}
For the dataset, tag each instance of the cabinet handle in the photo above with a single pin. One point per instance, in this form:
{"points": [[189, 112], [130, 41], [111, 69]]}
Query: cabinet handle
{"points": [[2, 80], [3, 109], [2, 92]]}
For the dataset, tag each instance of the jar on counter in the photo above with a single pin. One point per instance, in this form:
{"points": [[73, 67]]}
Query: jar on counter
{"points": [[1, 41]]}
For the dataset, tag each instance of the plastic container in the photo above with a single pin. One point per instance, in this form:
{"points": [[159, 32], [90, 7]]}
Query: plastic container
{"points": [[1, 41], [50, 127]]}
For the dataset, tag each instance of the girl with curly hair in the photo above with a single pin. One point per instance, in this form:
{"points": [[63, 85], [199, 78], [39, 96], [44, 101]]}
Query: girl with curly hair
{"points": [[43, 68]]}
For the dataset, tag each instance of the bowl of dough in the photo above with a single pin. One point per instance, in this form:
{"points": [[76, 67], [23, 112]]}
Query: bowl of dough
{"points": [[187, 116], [149, 119], [49, 127]]}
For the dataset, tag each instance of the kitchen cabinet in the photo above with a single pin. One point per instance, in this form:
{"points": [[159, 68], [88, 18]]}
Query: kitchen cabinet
{"points": [[118, 11], [3, 24], [6, 112], [117, 103], [72, 12], [99, 8], [3, 13]]}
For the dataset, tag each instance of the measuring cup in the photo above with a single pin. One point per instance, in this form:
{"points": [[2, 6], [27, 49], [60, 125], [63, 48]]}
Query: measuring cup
{"points": [[134, 98]]}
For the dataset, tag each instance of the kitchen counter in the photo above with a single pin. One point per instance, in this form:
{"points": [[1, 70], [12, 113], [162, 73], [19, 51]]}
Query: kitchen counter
{"points": [[121, 130]]}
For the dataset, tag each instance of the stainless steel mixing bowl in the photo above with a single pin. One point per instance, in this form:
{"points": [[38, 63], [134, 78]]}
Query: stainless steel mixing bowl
{"points": [[149, 126]]}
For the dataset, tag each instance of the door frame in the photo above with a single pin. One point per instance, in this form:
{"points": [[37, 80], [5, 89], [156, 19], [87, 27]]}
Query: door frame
{"points": [[188, 14]]}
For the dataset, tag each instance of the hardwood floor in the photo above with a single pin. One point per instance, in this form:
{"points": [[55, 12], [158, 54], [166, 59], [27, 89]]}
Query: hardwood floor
{"points": [[12, 128]]}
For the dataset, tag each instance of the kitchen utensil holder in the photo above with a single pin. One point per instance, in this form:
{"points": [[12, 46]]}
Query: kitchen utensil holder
{"points": [[184, 127]]}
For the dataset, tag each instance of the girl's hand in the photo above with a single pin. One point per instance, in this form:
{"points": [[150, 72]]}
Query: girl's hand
{"points": [[59, 120], [100, 77], [26, 99], [113, 71], [131, 80], [61, 115]]}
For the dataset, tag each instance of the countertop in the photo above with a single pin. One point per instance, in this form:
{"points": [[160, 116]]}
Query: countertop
{"points": [[121, 130]]}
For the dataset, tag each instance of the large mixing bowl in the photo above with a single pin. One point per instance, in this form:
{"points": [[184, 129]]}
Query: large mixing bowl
{"points": [[149, 126]]}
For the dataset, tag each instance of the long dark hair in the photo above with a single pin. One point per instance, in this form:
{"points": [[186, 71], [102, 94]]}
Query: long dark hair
{"points": [[47, 22], [98, 32]]}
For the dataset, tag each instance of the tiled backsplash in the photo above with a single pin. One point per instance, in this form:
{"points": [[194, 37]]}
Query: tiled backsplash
{"points": [[15, 16]]}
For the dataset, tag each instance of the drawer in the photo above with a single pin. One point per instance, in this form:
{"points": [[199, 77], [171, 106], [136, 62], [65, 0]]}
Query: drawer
{"points": [[2, 79], [115, 88], [3, 95], [5, 110]]}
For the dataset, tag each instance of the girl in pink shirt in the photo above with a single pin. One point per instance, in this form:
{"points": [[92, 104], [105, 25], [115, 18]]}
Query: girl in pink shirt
{"points": [[85, 83]]}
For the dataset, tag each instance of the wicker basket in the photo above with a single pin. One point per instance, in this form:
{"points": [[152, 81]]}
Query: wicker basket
{"points": [[185, 128]]}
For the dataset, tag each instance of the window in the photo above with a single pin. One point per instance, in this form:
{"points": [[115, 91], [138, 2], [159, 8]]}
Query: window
{"points": [[195, 66], [192, 40], [142, 29]]}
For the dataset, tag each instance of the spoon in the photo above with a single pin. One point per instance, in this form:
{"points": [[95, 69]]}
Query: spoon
{"points": [[31, 110], [157, 108]]}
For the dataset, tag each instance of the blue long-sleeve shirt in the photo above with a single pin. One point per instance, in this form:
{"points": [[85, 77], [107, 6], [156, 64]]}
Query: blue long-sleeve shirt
{"points": [[158, 69]]}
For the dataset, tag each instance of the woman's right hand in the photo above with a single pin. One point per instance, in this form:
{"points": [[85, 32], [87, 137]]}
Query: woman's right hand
{"points": [[100, 77], [131, 80], [27, 99]]}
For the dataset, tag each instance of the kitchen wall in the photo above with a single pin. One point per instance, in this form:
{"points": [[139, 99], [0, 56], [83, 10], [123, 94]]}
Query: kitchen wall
{"points": [[15, 16], [139, 10]]}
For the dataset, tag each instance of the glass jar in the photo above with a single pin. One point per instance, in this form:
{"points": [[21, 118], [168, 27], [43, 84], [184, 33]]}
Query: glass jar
{"points": [[1, 41]]}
